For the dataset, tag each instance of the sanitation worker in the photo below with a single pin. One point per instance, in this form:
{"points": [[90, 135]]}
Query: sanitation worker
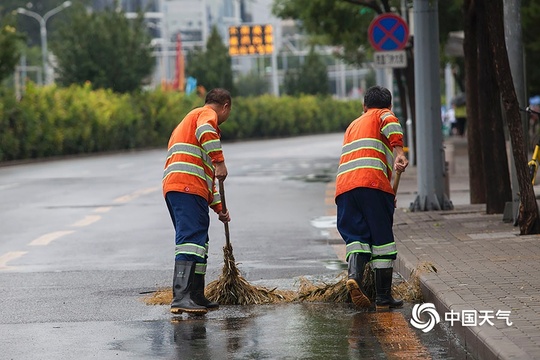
{"points": [[372, 150], [194, 162]]}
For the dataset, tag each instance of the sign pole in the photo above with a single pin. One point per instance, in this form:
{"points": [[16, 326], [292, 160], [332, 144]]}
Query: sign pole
{"points": [[275, 81], [275, 84], [430, 150]]}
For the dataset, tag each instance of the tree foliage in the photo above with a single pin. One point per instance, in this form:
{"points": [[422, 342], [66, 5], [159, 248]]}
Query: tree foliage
{"points": [[211, 67], [30, 26], [338, 23], [10, 49], [251, 84], [345, 22], [103, 48], [530, 16], [311, 78]]}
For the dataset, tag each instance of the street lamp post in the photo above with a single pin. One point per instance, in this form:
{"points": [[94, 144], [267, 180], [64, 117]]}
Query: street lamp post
{"points": [[43, 32]]}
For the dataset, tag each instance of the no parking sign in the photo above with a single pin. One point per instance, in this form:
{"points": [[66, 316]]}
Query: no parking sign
{"points": [[388, 32]]}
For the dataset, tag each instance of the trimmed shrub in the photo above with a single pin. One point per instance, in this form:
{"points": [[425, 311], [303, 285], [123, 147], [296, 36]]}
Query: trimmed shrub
{"points": [[52, 121]]}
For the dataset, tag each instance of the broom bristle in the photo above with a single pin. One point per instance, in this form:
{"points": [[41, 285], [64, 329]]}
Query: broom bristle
{"points": [[232, 289]]}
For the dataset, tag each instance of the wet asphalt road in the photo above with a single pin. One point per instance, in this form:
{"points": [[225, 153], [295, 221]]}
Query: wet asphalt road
{"points": [[83, 239]]}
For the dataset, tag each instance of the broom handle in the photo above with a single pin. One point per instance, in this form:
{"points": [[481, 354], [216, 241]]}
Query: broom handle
{"points": [[224, 209], [396, 181]]}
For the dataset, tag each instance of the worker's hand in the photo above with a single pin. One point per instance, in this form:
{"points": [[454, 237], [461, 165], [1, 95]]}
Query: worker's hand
{"points": [[224, 216], [401, 162], [221, 170]]}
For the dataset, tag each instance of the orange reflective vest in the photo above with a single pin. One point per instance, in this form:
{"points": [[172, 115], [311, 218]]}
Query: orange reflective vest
{"points": [[367, 155], [194, 147]]}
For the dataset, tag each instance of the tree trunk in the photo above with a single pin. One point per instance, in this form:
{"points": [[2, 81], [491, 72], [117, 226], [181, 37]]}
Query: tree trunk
{"points": [[470, 49], [491, 127], [528, 211]]}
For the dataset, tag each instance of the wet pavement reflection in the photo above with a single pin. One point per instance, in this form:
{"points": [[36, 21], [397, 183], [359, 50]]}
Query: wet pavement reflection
{"points": [[296, 331]]}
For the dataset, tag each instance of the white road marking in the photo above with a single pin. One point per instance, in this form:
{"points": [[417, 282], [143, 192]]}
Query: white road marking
{"points": [[48, 238], [103, 209], [7, 257], [89, 219]]}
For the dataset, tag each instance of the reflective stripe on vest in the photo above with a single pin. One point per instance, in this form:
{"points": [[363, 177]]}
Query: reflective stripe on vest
{"points": [[192, 169], [190, 249], [385, 115], [362, 163], [216, 199], [211, 145], [204, 128], [189, 149], [390, 129], [373, 144]]}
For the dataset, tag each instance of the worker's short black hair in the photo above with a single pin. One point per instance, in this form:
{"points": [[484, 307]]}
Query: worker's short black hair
{"points": [[378, 97], [218, 96]]}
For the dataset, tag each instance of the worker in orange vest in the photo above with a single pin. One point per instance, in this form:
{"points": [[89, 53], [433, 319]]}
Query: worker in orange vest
{"points": [[194, 161], [365, 198]]}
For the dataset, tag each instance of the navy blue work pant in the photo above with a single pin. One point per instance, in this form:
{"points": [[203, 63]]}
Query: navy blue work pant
{"points": [[365, 218], [189, 214]]}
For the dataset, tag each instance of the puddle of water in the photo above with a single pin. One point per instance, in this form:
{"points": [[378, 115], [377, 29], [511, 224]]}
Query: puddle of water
{"points": [[335, 264], [293, 331]]}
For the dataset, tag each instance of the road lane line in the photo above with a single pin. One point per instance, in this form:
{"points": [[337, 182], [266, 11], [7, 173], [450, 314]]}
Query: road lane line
{"points": [[129, 197], [89, 219], [103, 209], [9, 256], [48, 238]]}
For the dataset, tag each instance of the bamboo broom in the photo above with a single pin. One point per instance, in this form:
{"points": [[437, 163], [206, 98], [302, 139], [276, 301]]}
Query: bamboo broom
{"points": [[231, 288], [338, 292]]}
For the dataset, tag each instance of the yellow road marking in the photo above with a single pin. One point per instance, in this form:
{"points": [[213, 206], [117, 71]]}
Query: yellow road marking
{"points": [[89, 219], [48, 238], [129, 197], [7, 257], [103, 209]]}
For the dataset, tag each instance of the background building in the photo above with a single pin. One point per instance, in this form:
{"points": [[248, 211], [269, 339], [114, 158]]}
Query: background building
{"points": [[193, 20]]}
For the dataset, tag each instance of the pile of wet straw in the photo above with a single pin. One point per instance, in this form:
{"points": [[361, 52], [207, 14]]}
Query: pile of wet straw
{"points": [[233, 289]]}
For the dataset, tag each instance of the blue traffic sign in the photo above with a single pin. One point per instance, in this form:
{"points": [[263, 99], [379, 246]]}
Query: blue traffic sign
{"points": [[388, 32]]}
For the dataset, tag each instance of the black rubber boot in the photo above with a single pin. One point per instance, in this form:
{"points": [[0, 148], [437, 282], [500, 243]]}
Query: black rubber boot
{"points": [[198, 293], [383, 288], [183, 289], [357, 263]]}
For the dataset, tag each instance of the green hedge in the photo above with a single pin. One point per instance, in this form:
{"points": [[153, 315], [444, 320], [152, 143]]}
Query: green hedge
{"points": [[51, 121]]}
